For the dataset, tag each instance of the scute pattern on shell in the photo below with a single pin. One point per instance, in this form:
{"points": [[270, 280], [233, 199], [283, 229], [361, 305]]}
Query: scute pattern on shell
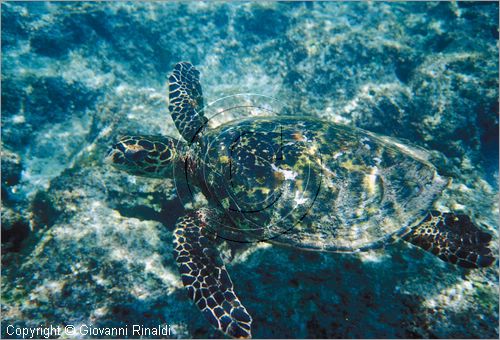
{"points": [[314, 184]]}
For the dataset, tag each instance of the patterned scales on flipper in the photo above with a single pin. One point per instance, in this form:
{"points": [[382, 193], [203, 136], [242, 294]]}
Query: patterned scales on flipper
{"points": [[186, 101], [453, 238], [205, 277]]}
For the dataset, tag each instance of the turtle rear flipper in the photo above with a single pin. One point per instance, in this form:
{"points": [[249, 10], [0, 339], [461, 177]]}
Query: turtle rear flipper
{"points": [[205, 277], [453, 238], [186, 100]]}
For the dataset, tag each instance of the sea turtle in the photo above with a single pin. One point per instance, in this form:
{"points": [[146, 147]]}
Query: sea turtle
{"points": [[295, 181]]}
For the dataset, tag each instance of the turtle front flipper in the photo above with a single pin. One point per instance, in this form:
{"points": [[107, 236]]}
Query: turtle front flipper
{"points": [[453, 238], [186, 101], [205, 276]]}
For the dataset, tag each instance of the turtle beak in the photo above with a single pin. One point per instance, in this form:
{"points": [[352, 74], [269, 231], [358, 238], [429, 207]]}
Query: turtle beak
{"points": [[110, 156]]}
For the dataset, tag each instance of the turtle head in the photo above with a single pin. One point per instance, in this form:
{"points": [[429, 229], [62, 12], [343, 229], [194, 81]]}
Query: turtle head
{"points": [[149, 156]]}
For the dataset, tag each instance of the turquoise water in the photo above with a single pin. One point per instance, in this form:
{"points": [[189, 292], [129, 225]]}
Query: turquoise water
{"points": [[83, 244]]}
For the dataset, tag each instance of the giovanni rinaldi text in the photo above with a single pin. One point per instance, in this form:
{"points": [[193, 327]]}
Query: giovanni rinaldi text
{"points": [[84, 329]]}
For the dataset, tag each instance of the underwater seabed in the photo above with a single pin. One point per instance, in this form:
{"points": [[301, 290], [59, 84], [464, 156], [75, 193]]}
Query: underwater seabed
{"points": [[83, 244]]}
